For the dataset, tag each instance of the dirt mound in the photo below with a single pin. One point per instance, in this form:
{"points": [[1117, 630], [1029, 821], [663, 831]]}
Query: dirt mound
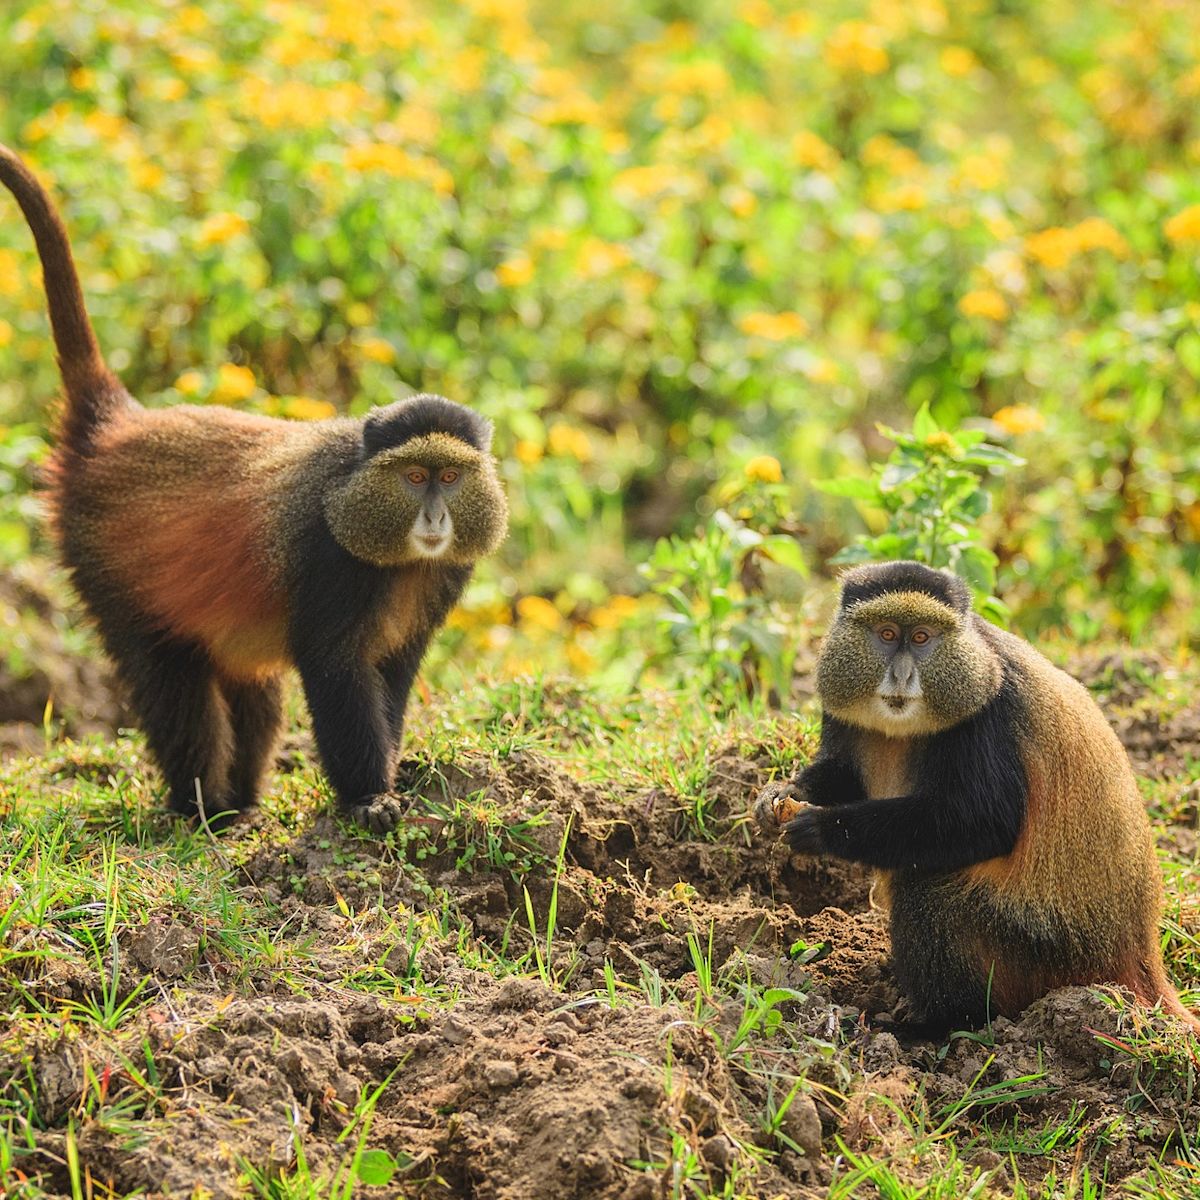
{"points": [[542, 988], [40, 662]]}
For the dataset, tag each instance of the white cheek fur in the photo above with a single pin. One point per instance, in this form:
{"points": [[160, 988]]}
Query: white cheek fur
{"points": [[874, 713]]}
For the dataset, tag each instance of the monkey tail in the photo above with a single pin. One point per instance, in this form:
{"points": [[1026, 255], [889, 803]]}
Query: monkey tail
{"points": [[93, 392], [1149, 983]]}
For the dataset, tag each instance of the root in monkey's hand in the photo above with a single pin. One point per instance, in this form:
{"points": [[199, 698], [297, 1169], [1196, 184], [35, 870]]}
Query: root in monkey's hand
{"points": [[777, 804]]}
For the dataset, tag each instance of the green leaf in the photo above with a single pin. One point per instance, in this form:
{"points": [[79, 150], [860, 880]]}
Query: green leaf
{"points": [[1187, 350], [923, 423], [897, 474], [376, 1168], [851, 489], [785, 551], [987, 455]]}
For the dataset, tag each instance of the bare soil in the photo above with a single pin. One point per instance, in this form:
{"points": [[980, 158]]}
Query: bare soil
{"points": [[519, 1088]]}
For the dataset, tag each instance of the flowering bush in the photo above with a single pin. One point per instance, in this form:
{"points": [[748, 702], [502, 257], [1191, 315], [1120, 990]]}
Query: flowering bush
{"points": [[654, 249]]}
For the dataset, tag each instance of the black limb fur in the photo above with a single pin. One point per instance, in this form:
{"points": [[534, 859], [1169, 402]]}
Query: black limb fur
{"points": [[968, 804], [832, 777], [186, 719], [256, 714], [357, 705]]}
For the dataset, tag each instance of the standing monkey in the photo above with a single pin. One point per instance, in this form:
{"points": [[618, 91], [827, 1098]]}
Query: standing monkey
{"points": [[214, 548], [988, 791]]}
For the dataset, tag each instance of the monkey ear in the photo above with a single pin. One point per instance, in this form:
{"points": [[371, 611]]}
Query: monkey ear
{"points": [[374, 434]]}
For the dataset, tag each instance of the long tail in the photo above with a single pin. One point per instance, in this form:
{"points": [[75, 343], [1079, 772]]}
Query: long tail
{"points": [[1149, 983], [93, 392]]}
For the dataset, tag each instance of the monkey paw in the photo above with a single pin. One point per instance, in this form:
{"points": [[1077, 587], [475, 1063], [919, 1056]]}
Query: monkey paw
{"points": [[380, 814], [777, 804], [803, 831]]}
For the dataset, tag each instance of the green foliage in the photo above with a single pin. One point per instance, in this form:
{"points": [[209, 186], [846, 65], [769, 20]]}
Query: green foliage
{"points": [[932, 491], [721, 631], [650, 242]]}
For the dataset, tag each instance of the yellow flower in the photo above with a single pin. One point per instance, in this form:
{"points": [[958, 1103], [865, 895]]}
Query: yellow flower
{"points": [[984, 302], [598, 257], [703, 77], [515, 271], [1054, 247], [984, 172], [1095, 233], [821, 370], [908, 197], [10, 273], [615, 612], [645, 181], [857, 46], [234, 383], [222, 227], [377, 350], [763, 468], [566, 441], [742, 202], [1184, 226], [1020, 418], [579, 658], [465, 70], [190, 382], [392, 160], [942, 441], [305, 408], [811, 150], [958, 61], [540, 613], [528, 453], [756, 12], [549, 238], [773, 327]]}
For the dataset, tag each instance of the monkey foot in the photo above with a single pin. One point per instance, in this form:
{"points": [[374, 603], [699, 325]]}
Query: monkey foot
{"points": [[380, 814], [777, 804]]}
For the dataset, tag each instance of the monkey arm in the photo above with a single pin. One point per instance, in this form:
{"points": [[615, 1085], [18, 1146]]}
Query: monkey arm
{"points": [[830, 780], [968, 805], [348, 707], [831, 777], [399, 672], [333, 596], [921, 832]]}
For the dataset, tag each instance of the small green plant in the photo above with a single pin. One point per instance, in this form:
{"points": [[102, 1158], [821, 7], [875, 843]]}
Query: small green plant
{"points": [[720, 630], [932, 490]]}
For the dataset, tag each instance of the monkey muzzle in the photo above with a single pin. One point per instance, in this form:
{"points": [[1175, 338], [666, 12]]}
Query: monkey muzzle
{"points": [[901, 684]]}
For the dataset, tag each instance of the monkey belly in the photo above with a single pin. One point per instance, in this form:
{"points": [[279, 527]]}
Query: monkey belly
{"points": [[961, 954]]}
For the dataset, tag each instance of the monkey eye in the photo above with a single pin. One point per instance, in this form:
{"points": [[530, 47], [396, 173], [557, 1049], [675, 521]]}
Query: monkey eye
{"points": [[888, 633], [450, 476], [920, 637], [417, 477]]}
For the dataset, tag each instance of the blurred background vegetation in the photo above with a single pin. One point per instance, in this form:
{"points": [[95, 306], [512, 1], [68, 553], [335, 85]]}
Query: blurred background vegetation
{"points": [[688, 257]]}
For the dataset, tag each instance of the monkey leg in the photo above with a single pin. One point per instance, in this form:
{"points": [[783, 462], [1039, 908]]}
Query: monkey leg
{"points": [[256, 713], [934, 956], [349, 710], [184, 715]]}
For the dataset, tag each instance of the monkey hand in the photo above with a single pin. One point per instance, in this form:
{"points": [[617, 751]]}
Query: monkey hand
{"points": [[803, 831], [777, 803], [379, 814]]}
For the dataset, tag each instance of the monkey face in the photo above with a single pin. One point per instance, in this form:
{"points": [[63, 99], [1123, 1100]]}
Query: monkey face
{"points": [[432, 498], [904, 664]]}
